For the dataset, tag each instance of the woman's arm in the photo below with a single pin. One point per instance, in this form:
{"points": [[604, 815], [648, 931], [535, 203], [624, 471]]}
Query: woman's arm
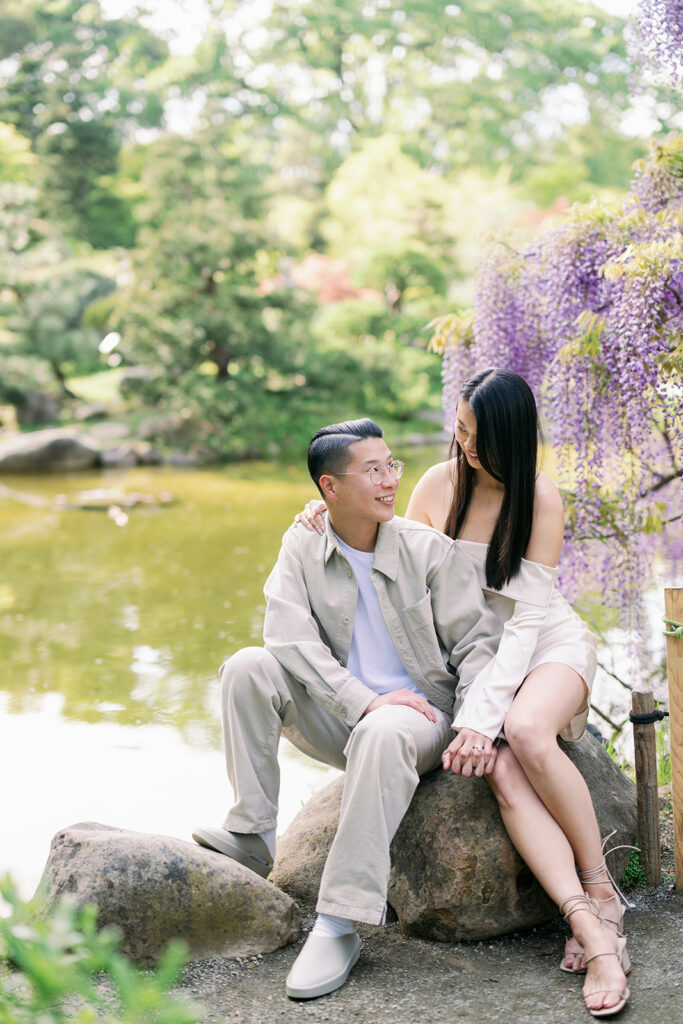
{"points": [[547, 528], [488, 699]]}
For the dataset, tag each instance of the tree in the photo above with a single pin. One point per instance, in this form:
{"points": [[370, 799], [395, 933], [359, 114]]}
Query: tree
{"points": [[46, 291], [592, 315], [471, 84], [74, 84]]}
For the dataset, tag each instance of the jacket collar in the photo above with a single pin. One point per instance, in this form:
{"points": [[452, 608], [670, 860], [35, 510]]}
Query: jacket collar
{"points": [[386, 548]]}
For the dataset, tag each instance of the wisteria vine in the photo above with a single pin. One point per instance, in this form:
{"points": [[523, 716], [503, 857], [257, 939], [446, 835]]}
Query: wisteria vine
{"points": [[658, 38], [592, 316]]}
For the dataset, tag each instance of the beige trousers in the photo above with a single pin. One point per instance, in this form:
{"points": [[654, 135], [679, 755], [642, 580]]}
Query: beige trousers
{"points": [[383, 757]]}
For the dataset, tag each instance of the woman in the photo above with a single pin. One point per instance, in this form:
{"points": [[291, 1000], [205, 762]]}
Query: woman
{"points": [[509, 519]]}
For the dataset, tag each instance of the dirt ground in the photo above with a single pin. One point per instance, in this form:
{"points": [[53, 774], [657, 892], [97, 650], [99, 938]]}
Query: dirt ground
{"points": [[510, 980]]}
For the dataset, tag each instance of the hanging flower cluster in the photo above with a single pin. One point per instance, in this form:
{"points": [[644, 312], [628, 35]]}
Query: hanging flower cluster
{"points": [[659, 38], [592, 316]]}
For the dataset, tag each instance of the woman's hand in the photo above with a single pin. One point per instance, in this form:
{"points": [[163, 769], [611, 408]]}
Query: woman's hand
{"points": [[312, 516], [470, 753]]}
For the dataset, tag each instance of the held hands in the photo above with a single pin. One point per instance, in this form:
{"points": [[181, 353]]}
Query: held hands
{"points": [[407, 697], [312, 516], [470, 753]]}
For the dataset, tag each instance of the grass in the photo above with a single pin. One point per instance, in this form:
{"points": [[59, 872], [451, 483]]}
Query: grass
{"points": [[98, 387], [663, 737]]}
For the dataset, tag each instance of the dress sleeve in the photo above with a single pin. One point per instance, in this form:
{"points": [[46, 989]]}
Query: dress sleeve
{"points": [[487, 699]]}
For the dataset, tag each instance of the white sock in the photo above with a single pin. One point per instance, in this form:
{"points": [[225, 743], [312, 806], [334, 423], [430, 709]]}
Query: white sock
{"points": [[331, 927], [270, 841]]}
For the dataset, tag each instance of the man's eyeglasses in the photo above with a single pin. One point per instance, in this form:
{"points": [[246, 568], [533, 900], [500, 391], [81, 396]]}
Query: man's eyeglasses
{"points": [[376, 473]]}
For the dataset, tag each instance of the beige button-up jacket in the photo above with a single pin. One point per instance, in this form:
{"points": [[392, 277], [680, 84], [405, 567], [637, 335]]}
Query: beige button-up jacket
{"points": [[429, 597]]}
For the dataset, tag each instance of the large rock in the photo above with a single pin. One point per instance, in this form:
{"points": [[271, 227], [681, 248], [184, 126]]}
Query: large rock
{"points": [[156, 888], [455, 875], [37, 407], [60, 450]]}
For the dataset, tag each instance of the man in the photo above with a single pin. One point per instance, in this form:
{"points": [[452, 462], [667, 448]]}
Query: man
{"points": [[372, 633]]}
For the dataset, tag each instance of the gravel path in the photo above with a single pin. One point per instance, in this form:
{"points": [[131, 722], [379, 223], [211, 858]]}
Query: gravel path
{"points": [[510, 980]]}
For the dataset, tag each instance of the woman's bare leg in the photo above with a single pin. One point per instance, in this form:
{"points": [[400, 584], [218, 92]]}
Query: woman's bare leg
{"points": [[549, 697], [542, 844]]}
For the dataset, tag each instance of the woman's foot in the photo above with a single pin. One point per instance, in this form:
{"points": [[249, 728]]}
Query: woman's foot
{"points": [[573, 961], [611, 913], [605, 990], [608, 898]]}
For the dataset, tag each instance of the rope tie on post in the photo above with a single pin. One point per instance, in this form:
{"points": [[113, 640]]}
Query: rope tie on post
{"points": [[676, 629], [648, 718]]}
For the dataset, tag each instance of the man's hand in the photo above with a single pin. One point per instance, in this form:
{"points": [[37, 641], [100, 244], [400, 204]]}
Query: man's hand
{"points": [[406, 697], [470, 753]]}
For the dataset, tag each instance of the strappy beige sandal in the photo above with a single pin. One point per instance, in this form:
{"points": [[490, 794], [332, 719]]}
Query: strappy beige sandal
{"points": [[596, 876], [575, 903]]}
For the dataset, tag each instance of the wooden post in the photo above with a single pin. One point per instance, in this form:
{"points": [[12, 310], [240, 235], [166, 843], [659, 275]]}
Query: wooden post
{"points": [[645, 744], [673, 601]]}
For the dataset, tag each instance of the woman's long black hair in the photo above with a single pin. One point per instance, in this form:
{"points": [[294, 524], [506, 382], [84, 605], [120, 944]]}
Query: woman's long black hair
{"points": [[507, 448]]}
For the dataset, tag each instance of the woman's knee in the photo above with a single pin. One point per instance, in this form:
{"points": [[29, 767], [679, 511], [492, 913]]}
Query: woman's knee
{"points": [[506, 776], [531, 743]]}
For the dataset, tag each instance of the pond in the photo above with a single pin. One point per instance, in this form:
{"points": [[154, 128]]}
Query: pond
{"points": [[112, 628]]}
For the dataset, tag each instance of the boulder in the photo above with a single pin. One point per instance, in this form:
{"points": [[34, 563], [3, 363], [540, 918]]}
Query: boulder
{"points": [[37, 408], [175, 428], [455, 874], [61, 450], [181, 460], [91, 411], [120, 456], [156, 888]]}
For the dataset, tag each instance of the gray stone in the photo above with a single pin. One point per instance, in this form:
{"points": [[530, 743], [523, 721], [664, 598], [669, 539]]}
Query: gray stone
{"points": [[60, 450], [156, 888], [37, 407], [455, 874], [121, 456], [147, 454], [108, 430], [91, 411], [183, 460], [170, 428]]}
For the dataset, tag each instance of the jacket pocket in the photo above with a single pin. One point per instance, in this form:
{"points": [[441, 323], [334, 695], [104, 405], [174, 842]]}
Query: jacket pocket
{"points": [[419, 618]]}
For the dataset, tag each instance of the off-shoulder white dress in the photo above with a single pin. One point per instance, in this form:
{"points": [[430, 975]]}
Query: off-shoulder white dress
{"points": [[539, 627]]}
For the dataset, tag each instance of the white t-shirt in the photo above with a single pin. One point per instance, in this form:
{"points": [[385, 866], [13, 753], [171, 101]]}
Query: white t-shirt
{"points": [[372, 658]]}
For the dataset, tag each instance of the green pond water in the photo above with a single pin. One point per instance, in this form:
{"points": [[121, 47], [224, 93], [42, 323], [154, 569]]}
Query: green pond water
{"points": [[112, 629]]}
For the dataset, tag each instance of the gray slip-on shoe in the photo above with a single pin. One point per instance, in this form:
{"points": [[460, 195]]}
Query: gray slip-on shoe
{"points": [[249, 850], [322, 965]]}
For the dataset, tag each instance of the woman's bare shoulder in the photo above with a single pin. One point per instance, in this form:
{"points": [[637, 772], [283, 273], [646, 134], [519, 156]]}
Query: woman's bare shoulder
{"points": [[430, 499]]}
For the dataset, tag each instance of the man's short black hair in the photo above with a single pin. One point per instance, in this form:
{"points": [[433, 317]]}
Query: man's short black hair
{"points": [[328, 450]]}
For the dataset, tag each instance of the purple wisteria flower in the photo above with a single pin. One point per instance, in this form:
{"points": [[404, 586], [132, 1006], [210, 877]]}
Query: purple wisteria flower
{"points": [[592, 316]]}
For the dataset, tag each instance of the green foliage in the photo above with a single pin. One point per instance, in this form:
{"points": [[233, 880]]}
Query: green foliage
{"points": [[21, 375], [634, 874], [663, 737], [463, 84], [46, 290], [16, 159], [73, 84], [59, 967], [404, 275]]}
